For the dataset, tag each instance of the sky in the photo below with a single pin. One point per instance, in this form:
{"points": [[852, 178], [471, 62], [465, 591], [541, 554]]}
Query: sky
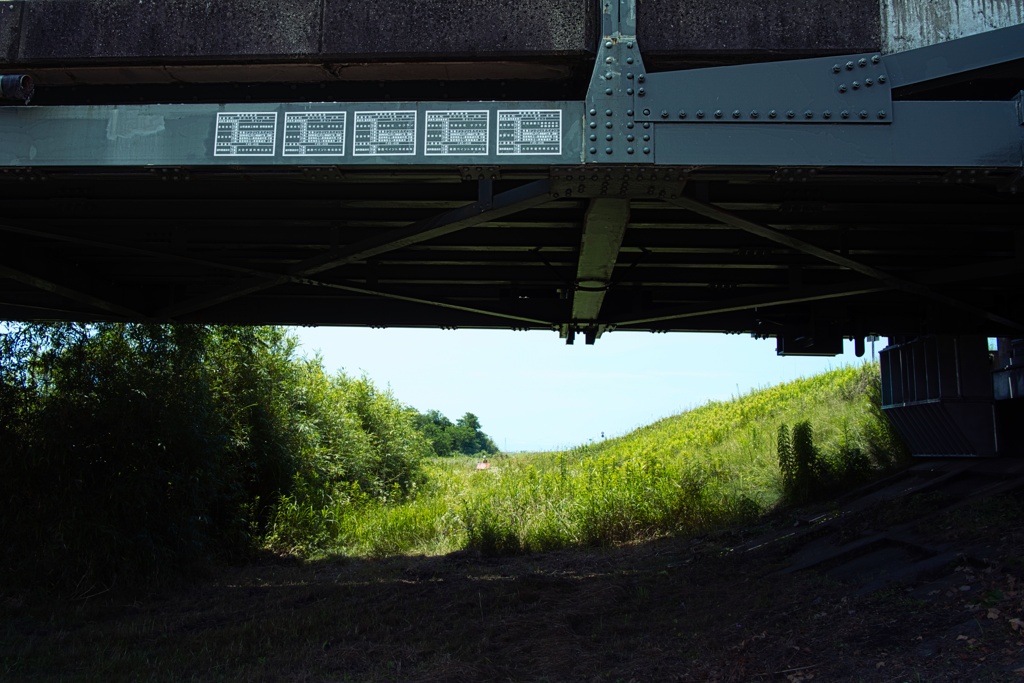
{"points": [[532, 392]]}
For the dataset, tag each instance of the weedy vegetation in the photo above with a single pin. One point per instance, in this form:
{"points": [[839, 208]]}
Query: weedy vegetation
{"points": [[135, 452]]}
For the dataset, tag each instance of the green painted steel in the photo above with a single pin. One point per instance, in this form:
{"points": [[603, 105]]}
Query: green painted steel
{"points": [[303, 134]]}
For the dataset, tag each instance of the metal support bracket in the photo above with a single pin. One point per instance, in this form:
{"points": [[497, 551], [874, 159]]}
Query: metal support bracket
{"points": [[854, 89], [612, 133]]}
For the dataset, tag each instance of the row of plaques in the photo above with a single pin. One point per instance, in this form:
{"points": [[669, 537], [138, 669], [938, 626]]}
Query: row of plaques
{"points": [[390, 133]]}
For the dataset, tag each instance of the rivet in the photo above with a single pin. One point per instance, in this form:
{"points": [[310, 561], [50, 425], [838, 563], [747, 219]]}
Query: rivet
{"points": [[608, 124], [736, 113], [842, 88], [647, 150], [882, 79], [593, 150], [629, 124], [718, 113], [700, 113], [845, 114], [863, 114], [647, 112], [630, 138], [640, 78], [856, 85], [647, 138], [862, 62], [849, 66], [629, 112], [609, 91], [608, 76], [593, 124], [629, 76], [827, 114], [609, 60], [868, 82], [608, 112], [608, 44], [609, 137], [754, 114], [772, 114], [664, 114], [593, 112], [682, 113], [876, 59], [790, 114], [836, 68], [647, 125], [629, 91], [629, 60], [607, 150], [593, 138], [629, 150], [629, 45], [808, 114], [641, 92], [881, 114]]}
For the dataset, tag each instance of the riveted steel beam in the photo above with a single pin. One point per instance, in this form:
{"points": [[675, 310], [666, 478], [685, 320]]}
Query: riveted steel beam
{"points": [[604, 226]]}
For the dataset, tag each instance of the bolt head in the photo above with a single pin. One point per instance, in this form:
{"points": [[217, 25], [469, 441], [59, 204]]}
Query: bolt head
{"points": [[849, 66], [868, 82], [754, 114], [736, 113], [773, 114], [641, 78], [836, 68], [827, 114], [718, 113], [790, 114], [845, 114], [862, 62], [842, 88], [856, 85], [682, 114], [863, 114], [700, 113], [881, 114], [882, 79], [808, 114], [876, 59], [641, 92]]}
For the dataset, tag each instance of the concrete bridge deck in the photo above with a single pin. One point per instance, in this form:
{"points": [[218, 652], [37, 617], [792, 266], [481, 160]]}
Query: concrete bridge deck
{"points": [[176, 42]]}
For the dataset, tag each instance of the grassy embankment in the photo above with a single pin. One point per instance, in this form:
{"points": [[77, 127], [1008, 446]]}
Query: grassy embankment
{"points": [[711, 466]]}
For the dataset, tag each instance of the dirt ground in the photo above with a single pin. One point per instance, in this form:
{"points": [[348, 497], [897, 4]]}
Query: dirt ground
{"points": [[916, 580]]}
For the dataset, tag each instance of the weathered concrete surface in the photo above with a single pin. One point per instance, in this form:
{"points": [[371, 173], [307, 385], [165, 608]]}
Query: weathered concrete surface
{"points": [[188, 30], [227, 41], [909, 24], [676, 28]]}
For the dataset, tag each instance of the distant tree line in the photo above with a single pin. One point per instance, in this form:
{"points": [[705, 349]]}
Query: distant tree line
{"points": [[129, 451], [463, 437]]}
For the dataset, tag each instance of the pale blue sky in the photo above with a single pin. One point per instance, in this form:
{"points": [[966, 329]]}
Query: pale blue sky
{"points": [[532, 392]]}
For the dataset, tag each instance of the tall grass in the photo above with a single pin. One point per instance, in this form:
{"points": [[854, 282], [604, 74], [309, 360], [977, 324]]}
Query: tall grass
{"points": [[708, 467]]}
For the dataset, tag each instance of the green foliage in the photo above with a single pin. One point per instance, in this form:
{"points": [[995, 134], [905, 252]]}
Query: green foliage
{"points": [[131, 451], [465, 437], [712, 466]]}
